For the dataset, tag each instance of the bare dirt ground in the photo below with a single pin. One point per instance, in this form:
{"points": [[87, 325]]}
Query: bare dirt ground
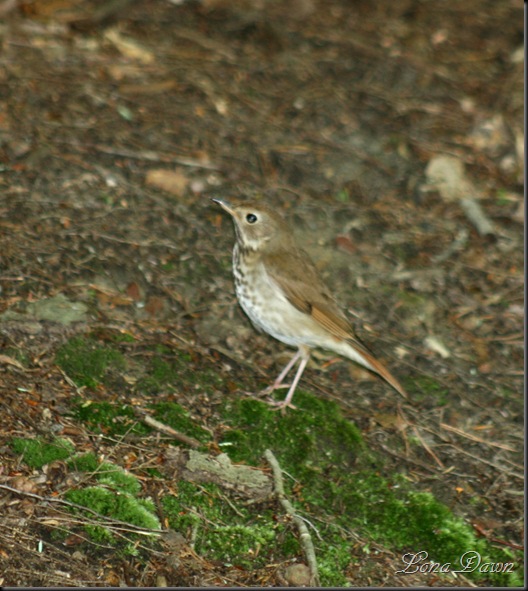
{"points": [[388, 133]]}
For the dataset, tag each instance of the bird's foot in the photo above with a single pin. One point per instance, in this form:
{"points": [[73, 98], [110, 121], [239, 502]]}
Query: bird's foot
{"points": [[281, 405], [266, 391]]}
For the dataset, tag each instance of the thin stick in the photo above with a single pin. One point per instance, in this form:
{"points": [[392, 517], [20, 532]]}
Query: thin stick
{"points": [[107, 521], [428, 449], [152, 422], [305, 538], [475, 438]]}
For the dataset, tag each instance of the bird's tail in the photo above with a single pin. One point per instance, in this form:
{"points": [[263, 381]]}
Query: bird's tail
{"points": [[382, 371], [364, 357]]}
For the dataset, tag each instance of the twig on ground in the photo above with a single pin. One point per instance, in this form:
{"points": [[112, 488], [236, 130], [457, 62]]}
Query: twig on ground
{"points": [[151, 156], [305, 538], [145, 155], [116, 525], [475, 438], [387, 449], [162, 428], [494, 465], [428, 449]]}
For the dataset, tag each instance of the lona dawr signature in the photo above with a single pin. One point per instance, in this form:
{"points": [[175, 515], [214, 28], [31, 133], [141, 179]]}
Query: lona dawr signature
{"points": [[470, 562]]}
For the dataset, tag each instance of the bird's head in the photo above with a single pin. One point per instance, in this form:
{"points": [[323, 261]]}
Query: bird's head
{"points": [[257, 226]]}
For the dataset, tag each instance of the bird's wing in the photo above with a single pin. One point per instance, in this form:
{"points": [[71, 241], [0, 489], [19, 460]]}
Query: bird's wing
{"points": [[294, 273], [298, 279]]}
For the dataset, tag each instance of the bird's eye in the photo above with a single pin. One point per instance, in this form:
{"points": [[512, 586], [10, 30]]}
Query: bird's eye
{"points": [[251, 218]]}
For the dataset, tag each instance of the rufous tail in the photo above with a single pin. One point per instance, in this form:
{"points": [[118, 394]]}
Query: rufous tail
{"points": [[382, 371]]}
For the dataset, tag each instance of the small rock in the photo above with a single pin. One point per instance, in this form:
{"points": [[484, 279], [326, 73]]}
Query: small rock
{"points": [[297, 575]]}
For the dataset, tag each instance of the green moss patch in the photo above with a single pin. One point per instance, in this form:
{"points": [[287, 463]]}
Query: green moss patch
{"points": [[318, 448], [116, 495], [178, 418], [331, 477], [106, 473], [110, 418], [39, 452], [87, 362], [160, 374], [117, 505], [119, 419], [311, 439], [231, 533], [173, 370], [334, 477]]}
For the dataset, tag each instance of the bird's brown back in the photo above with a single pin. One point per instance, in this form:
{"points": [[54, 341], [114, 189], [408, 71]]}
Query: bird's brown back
{"points": [[296, 275]]}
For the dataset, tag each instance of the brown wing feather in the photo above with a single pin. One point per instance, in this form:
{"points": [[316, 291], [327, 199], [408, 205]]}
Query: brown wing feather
{"points": [[298, 278], [296, 275], [302, 285]]}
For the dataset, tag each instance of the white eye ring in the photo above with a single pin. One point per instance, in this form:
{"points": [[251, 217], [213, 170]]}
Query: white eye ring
{"points": [[251, 218]]}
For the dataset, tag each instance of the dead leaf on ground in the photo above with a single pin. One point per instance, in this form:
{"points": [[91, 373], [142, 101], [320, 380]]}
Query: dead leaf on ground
{"points": [[10, 361], [171, 181]]}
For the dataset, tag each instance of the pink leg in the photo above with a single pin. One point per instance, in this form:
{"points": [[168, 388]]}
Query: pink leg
{"points": [[278, 382], [305, 354]]}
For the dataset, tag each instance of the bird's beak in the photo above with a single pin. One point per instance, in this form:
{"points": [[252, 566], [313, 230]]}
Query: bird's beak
{"points": [[225, 205]]}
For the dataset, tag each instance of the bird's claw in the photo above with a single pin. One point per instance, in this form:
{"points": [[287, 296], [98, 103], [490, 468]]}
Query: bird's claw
{"points": [[281, 405]]}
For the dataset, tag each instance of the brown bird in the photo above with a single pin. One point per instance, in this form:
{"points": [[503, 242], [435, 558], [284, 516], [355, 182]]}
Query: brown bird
{"points": [[280, 290]]}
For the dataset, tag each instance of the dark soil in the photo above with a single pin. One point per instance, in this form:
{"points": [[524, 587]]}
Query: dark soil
{"points": [[116, 129]]}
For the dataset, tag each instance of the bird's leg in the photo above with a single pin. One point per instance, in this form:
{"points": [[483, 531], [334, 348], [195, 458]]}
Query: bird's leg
{"points": [[305, 356], [278, 382]]}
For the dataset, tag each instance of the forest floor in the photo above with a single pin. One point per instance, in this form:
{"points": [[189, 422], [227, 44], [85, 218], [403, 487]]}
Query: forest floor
{"points": [[390, 135]]}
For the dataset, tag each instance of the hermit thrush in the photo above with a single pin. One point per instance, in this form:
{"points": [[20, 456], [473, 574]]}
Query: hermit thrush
{"points": [[280, 290]]}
